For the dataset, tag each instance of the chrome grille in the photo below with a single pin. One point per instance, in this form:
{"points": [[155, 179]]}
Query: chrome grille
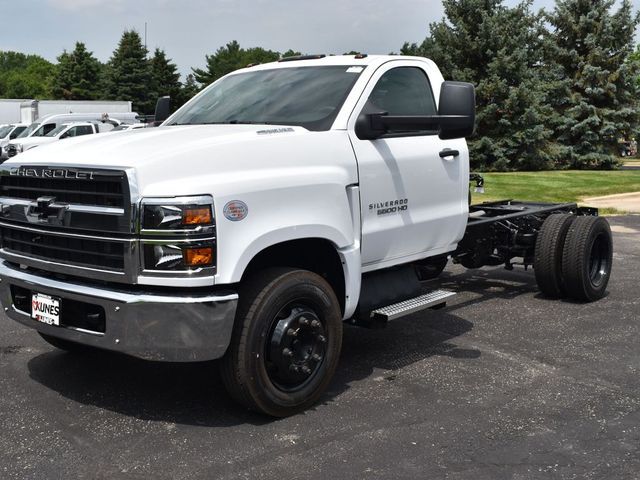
{"points": [[75, 221]]}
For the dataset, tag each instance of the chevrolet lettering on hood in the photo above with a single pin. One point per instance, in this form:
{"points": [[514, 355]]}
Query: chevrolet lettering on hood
{"points": [[51, 173]]}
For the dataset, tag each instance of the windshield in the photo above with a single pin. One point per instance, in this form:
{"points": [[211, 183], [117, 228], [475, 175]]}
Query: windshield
{"points": [[26, 132], [56, 131], [4, 131], [309, 97]]}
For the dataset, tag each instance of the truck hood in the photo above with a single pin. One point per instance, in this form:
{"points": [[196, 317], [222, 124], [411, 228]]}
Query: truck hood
{"points": [[172, 160], [139, 148]]}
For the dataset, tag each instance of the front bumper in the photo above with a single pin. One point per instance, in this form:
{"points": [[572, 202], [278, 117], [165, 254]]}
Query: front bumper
{"points": [[155, 326]]}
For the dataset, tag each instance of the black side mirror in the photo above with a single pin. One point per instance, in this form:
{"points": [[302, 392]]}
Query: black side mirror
{"points": [[457, 110], [455, 119], [163, 110], [368, 124]]}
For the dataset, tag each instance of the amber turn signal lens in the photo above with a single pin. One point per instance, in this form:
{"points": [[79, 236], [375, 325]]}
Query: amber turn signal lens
{"points": [[196, 216], [198, 257]]}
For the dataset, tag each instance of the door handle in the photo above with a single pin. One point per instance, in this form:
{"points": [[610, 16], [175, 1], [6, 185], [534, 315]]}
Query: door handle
{"points": [[449, 153]]}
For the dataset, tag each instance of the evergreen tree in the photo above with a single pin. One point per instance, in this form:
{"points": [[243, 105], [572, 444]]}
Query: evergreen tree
{"points": [[501, 51], [77, 75], [129, 76], [599, 104], [188, 90], [291, 53], [165, 77], [229, 58]]}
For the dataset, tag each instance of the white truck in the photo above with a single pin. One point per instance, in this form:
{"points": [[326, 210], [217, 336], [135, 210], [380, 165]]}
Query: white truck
{"points": [[8, 133], [282, 201], [62, 131]]}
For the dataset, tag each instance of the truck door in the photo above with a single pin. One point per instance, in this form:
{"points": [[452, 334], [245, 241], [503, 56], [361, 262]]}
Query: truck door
{"points": [[413, 200]]}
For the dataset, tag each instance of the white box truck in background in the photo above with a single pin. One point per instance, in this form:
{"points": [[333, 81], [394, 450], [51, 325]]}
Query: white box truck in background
{"points": [[32, 110], [10, 110]]}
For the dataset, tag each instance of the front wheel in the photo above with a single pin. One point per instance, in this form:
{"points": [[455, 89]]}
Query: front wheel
{"points": [[286, 342]]}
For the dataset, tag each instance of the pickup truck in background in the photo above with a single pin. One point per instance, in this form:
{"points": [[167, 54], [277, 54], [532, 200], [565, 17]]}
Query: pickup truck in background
{"points": [[62, 131], [8, 133], [279, 203]]}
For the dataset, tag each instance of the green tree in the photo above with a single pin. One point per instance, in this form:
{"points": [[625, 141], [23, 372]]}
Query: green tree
{"points": [[129, 76], [165, 77], [188, 90], [229, 58], [599, 104], [291, 53], [77, 75], [501, 51], [25, 76]]}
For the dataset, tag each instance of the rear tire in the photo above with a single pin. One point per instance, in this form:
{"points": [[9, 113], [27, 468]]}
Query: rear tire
{"points": [[547, 263], [286, 342], [587, 258]]}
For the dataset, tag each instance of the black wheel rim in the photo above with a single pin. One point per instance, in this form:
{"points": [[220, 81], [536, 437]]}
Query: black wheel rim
{"points": [[599, 263], [295, 348]]}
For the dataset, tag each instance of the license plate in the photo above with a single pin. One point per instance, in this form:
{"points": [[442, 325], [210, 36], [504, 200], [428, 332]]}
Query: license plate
{"points": [[45, 309]]}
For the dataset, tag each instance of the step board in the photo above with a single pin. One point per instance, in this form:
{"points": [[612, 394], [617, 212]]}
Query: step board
{"points": [[433, 299]]}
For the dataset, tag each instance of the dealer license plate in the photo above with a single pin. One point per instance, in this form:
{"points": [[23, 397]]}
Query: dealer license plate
{"points": [[45, 309]]}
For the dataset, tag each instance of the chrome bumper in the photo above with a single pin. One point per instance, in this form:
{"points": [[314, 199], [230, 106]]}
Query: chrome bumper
{"points": [[153, 326]]}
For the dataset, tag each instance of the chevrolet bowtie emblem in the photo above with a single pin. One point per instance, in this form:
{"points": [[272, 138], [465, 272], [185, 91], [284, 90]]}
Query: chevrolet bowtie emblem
{"points": [[47, 210]]}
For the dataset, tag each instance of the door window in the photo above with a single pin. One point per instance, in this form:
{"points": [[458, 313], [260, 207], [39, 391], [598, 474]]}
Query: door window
{"points": [[16, 132], [404, 91], [83, 130]]}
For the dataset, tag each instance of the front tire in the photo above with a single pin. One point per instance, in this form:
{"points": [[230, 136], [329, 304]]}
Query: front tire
{"points": [[286, 342]]}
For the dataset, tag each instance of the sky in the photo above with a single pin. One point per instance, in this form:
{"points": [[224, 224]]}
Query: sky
{"points": [[188, 31]]}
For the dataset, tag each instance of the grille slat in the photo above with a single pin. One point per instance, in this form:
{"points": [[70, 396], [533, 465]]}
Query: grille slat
{"points": [[83, 251]]}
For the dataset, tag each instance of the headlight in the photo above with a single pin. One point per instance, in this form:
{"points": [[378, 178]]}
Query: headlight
{"points": [[177, 257], [176, 217], [178, 235]]}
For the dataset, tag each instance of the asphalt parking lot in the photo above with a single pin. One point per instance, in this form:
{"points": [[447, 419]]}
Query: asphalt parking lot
{"points": [[501, 384]]}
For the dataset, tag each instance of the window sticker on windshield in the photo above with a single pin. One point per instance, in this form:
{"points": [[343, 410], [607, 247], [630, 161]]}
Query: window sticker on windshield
{"points": [[355, 69]]}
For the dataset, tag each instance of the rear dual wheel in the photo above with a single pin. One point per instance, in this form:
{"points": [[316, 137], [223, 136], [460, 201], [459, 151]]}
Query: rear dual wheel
{"points": [[286, 342], [573, 257], [587, 258]]}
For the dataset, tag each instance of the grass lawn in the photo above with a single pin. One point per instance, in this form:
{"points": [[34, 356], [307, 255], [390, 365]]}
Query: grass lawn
{"points": [[557, 186]]}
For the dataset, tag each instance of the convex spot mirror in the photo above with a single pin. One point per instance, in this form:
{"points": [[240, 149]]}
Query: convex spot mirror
{"points": [[456, 116]]}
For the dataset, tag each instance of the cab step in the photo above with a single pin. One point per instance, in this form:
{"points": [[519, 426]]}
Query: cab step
{"points": [[434, 299]]}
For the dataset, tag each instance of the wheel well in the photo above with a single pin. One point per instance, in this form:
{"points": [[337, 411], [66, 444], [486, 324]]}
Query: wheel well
{"points": [[314, 254]]}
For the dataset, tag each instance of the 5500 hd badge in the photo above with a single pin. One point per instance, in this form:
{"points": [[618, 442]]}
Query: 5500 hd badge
{"points": [[392, 206]]}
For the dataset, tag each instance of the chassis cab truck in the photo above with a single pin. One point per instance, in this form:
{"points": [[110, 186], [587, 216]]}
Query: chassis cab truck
{"points": [[282, 201]]}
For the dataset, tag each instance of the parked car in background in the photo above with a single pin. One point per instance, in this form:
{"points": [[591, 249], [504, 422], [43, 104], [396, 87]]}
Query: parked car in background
{"points": [[8, 133], [65, 130], [129, 126], [44, 125]]}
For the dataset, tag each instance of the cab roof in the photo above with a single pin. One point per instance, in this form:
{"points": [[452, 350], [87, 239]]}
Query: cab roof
{"points": [[331, 60]]}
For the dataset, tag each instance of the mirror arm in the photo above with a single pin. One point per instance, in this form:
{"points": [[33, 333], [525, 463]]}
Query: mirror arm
{"points": [[411, 122]]}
